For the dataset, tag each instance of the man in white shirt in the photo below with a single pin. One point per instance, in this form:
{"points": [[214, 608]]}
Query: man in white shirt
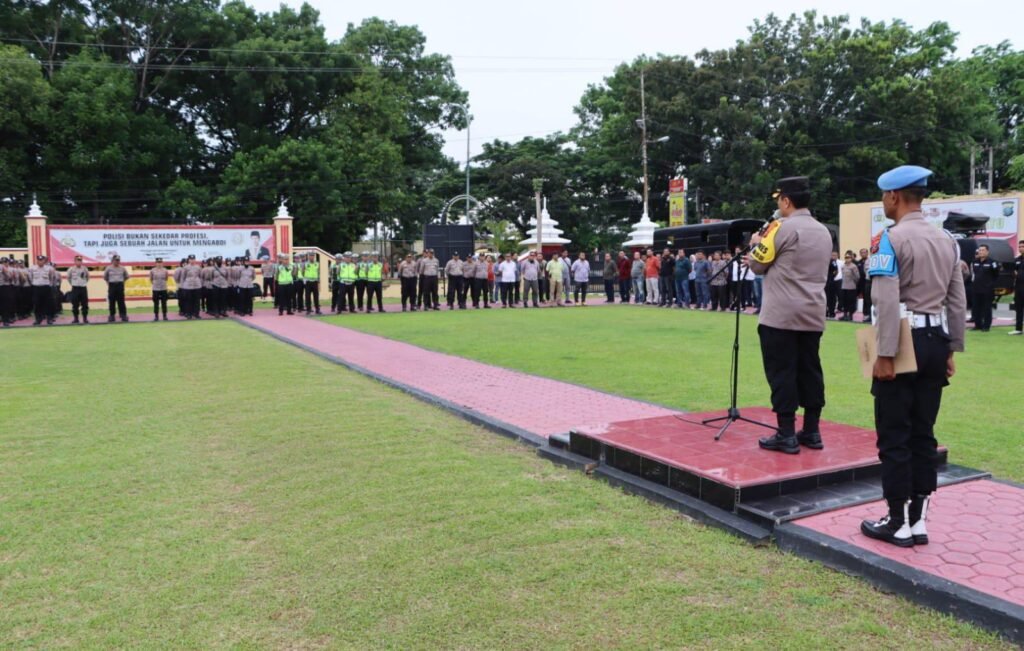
{"points": [[506, 273]]}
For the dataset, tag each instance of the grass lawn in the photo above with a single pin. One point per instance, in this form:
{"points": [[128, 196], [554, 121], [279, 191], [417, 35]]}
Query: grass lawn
{"points": [[206, 486], [681, 358]]}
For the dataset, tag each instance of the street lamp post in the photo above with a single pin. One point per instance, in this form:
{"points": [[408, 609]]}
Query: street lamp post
{"points": [[642, 123], [465, 112]]}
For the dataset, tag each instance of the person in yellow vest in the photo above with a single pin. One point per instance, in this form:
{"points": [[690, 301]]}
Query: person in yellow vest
{"points": [[347, 280], [362, 268], [284, 281], [311, 283], [375, 283]]}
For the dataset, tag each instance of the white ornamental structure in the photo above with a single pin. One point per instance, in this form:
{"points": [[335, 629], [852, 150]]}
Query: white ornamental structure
{"points": [[642, 234], [550, 234]]}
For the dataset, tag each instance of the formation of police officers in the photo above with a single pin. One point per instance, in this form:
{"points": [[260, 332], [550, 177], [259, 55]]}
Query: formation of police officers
{"points": [[295, 286], [215, 287], [916, 275]]}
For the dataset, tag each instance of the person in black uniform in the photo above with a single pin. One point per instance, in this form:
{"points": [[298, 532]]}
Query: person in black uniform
{"points": [[1018, 290], [985, 271]]}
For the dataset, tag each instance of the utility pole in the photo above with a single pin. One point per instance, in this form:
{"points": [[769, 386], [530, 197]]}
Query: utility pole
{"points": [[973, 149], [698, 205], [643, 130], [467, 162], [991, 165]]}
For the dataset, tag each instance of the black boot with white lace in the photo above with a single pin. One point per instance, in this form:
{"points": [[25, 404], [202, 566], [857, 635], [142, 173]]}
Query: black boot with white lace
{"points": [[893, 528], [917, 514]]}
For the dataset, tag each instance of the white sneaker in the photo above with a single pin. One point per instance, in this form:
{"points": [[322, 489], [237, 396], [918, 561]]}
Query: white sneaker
{"points": [[1016, 332]]}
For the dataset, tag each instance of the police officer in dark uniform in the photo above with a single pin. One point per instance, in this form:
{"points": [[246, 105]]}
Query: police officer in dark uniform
{"points": [[915, 275], [793, 254], [985, 271], [1018, 290]]}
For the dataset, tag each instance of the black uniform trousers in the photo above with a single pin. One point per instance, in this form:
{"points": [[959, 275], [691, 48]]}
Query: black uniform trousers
{"points": [[312, 292], [335, 294], [1018, 306], [159, 301], [374, 288], [58, 299], [284, 297], [7, 300], [866, 310], [298, 293], [409, 291], [905, 413], [832, 291], [981, 309], [347, 296], [479, 286], [80, 301], [428, 292], [455, 291], [268, 285], [42, 302], [115, 299], [360, 291], [793, 369]]}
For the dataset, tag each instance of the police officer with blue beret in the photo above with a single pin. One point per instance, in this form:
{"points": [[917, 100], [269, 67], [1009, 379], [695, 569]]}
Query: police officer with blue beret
{"points": [[915, 275]]}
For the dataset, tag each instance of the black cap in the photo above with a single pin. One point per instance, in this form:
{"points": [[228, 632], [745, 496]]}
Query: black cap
{"points": [[792, 186], [159, 259]]}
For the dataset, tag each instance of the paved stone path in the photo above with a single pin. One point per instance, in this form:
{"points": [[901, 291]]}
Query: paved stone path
{"points": [[535, 404]]}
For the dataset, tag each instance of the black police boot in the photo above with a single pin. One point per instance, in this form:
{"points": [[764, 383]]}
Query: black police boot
{"points": [[110, 319], [85, 319], [810, 435], [74, 321], [784, 439], [917, 514], [893, 528]]}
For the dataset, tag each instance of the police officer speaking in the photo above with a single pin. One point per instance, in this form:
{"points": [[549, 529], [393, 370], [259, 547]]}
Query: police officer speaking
{"points": [[793, 256], [915, 275]]}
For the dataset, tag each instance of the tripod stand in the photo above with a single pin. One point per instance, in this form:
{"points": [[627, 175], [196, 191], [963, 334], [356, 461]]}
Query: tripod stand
{"points": [[733, 413]]}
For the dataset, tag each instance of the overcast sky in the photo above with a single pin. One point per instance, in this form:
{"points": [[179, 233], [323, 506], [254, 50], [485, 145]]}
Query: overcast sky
{"points": [[526, 63]]}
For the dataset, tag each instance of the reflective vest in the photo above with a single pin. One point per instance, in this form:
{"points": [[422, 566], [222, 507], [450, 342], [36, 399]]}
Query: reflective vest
{"points": [[347, 273], [311, 271], [284, 274], [374, 273]]}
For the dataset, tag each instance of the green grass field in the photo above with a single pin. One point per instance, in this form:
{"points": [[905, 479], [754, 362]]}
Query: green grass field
{"points": [[205, 486], [681, 359]]}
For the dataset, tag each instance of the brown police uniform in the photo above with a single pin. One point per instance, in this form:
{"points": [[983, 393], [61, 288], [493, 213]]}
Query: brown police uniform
{"points": [[793, 257]]}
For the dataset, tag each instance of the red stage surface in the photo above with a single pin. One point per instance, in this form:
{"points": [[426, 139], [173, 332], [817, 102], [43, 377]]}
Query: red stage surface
{"points": [[683, 442]]}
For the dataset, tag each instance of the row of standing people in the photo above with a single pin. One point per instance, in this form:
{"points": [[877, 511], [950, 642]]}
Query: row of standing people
{"points": [[214, 286]]}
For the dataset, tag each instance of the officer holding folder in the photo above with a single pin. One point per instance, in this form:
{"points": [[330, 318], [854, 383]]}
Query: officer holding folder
{"points": [[915, 275]]}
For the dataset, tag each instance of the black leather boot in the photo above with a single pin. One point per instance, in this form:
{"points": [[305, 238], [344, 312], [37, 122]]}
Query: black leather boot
{"points": [[893, 528], [784, 439]]}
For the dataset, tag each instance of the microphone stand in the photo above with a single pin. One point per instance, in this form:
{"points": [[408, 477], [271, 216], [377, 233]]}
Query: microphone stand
{"points": [[733, 413]]}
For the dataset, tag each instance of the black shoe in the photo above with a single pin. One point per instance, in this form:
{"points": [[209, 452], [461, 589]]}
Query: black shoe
{"points": [[780, 443], [156, 317], [888, 530], [124, 319], [291, 313], [85, 319], [110, 319], [810, 440], [35, 323], [74, 322]]}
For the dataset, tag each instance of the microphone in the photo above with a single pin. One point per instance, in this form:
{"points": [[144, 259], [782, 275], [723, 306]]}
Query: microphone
{"points": [[764, 229]]}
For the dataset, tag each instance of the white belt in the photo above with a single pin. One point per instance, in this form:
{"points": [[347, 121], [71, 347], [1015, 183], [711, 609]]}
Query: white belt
{"points": [[919, 320]]}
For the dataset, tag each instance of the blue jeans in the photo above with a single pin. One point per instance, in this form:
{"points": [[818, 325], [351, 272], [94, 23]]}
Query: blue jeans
{"points": [[758, 290], [682, 290], [639, 294], [703, 293]]}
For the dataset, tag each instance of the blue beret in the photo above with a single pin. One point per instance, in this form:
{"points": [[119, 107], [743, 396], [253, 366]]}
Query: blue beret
{"points": [[904, 176]]}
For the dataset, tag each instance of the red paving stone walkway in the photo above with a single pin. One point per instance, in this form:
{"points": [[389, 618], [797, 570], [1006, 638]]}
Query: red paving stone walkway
{"points": [[535, 404], [975, 534], [976, 528]]}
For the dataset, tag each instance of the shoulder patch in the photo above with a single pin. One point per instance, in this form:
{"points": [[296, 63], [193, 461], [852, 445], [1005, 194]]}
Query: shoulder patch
{"points": [[765, 251], [882, 262], [875, 240]]}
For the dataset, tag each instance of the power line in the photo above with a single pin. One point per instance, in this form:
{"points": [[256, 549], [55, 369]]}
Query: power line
{"points": [[236, 50]]}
